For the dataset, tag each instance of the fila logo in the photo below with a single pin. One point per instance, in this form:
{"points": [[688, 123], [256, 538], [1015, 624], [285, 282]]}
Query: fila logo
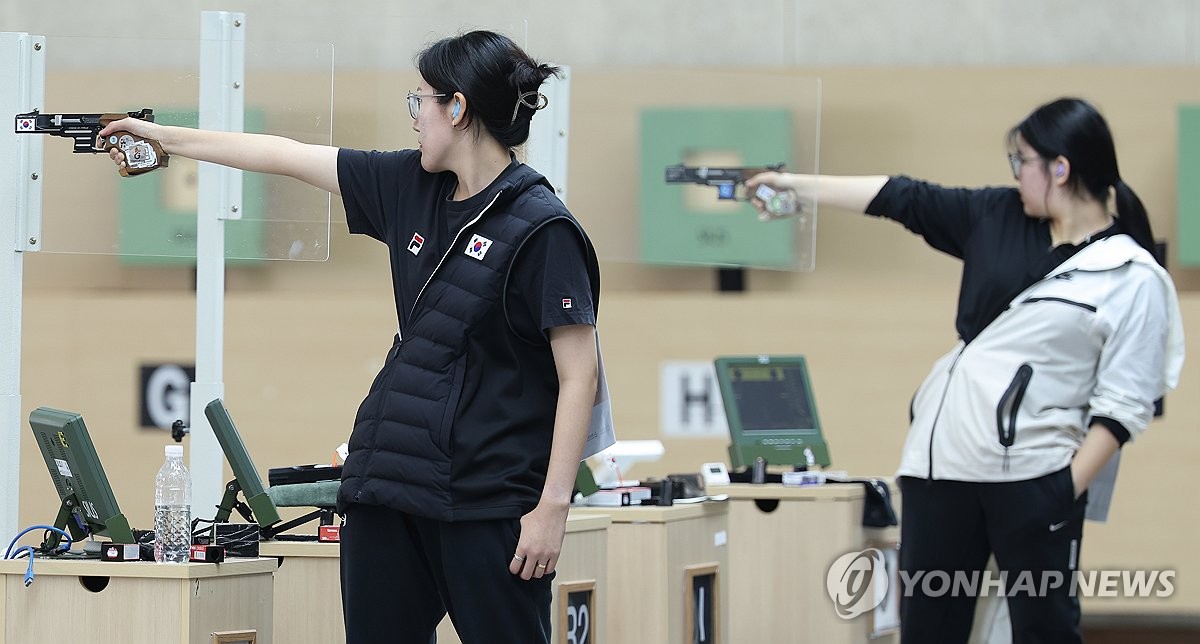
{"points": [[567, 303], [414, 246], [478, 246]]}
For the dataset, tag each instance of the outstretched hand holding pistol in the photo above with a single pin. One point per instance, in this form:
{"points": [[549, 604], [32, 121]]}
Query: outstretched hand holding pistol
{"points": [[852, 193], [139, 154], [137, 127], [313, 164]]}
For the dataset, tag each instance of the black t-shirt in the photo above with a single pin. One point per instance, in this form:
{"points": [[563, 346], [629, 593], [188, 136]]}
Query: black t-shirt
{"points": [[389, 197], [550, 285], [1003, 250]]}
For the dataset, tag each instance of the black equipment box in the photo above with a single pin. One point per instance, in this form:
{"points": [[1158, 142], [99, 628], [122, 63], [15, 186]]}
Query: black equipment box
{"points": [[303, 474]]}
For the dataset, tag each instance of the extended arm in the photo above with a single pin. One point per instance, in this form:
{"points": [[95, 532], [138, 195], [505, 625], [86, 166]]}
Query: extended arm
{"points": [[542, 530], [312, 164], [849, 193]]}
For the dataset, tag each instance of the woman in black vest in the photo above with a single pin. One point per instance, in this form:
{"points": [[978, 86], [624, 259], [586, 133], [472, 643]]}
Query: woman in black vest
{"points": [[464, 452]]}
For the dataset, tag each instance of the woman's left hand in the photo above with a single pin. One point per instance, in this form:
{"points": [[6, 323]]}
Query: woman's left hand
{"points": [[540, 542], [1098, 446], [1078, 486]]}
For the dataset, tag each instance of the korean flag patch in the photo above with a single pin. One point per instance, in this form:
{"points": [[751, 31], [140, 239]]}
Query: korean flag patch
{"points": [[478, 246]]}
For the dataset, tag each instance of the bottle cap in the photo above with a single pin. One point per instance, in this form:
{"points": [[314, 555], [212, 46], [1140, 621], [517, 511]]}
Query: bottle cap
{"points": [[174, 450]]}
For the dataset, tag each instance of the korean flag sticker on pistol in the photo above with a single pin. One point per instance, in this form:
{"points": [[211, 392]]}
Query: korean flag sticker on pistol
{"points": [[25, 124], [478, 246]]}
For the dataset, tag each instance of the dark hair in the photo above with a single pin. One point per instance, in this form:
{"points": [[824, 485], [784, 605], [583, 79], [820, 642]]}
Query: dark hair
{"points": [[495, 76], [1074, 129]]}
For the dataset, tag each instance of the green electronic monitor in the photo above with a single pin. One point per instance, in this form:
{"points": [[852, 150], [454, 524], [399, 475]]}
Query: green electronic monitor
{"points": [[88, 506], [245, 476], [770, 410]]}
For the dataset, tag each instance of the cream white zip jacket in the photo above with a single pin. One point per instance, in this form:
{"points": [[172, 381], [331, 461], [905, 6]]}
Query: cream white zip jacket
{"points": [[1100, 335]]}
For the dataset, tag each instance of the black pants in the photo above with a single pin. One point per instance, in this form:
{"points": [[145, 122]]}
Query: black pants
{"points": [[949, 528], [402, 574]]}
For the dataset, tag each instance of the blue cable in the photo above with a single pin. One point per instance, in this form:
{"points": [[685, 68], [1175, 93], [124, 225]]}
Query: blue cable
{"points": [[64, 547], [9, 554], [29, 570]]}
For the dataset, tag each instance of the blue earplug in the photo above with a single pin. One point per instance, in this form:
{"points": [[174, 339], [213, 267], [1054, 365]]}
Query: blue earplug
{"points": [[454, 112]]}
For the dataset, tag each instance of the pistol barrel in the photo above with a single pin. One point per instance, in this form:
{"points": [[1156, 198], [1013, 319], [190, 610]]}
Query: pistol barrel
{"points": [[705, 175], [82, 128]]}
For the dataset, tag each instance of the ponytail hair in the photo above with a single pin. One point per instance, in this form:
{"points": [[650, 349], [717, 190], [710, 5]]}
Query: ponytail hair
{"points": [[1131, 215], [499, 80]]}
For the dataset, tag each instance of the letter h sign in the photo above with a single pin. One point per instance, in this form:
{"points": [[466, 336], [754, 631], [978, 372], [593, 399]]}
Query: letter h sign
{"points": [[690, 401]]}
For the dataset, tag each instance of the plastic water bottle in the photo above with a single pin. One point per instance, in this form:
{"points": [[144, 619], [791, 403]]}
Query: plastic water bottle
{"points": [[172, 509]]}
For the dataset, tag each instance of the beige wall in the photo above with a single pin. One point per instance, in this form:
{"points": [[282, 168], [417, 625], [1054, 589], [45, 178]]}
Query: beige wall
{"points": [[304, 340], [913, 33]]}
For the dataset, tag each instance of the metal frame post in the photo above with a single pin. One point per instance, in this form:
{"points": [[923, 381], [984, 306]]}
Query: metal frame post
{"points": [[23, 79], [222, 75], [547, 148]]}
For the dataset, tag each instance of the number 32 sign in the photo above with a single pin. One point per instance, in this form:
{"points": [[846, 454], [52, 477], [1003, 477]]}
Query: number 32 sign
{"points": [[576, 613]]}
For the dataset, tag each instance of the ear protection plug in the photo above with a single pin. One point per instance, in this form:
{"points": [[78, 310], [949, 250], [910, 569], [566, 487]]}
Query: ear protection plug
{"points": [[454, 112], [1059, 170]]}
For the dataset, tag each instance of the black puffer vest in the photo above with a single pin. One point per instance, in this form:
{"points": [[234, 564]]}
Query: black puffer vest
{"points": [[403, 443]]}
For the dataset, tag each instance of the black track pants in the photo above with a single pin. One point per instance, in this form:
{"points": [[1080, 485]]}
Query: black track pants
{"points": [[949, 528], [402, 574]]}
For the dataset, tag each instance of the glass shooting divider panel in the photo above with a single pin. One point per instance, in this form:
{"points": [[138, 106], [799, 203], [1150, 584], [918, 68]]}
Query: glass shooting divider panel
{"points": [[89, 208]]}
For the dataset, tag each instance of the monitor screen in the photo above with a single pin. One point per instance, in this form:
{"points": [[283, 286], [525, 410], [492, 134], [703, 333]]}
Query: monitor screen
{"points": [[265, 512], [771, 397], [770, 409], [88, 506]]}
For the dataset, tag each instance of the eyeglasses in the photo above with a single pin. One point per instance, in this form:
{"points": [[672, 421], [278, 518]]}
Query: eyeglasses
{"points": [[1015, 161], [414, 102]]}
